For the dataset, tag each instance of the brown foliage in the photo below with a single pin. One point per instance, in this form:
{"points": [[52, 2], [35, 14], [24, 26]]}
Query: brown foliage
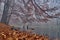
{"points": [[6, 33]]}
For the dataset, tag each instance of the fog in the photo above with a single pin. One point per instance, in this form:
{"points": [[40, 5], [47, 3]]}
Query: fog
{"points": [[51, 28]]}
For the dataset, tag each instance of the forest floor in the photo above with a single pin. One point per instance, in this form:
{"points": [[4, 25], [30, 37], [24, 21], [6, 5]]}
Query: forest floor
{"points": [[8, 33]]}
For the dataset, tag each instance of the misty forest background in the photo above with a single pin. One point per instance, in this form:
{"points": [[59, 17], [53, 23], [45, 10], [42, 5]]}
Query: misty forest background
{"points": [[14, 12]]}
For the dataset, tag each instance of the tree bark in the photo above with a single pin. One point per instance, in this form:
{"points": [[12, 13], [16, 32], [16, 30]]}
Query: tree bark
{"points": [[5, 13]]}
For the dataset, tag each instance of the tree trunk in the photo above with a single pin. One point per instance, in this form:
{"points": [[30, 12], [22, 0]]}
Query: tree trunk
{"points": [[5, 13]]}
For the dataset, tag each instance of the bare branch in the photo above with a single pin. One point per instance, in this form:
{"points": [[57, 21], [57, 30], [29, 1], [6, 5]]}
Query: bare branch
{"points": [[40, 8]]}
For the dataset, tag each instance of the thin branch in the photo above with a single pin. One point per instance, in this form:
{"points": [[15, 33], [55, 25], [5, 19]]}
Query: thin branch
{"points": [[40, 8], [25, 4]]}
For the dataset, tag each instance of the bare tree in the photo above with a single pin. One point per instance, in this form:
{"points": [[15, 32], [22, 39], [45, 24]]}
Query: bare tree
{"points": [[5, 12], [29, 11]]}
